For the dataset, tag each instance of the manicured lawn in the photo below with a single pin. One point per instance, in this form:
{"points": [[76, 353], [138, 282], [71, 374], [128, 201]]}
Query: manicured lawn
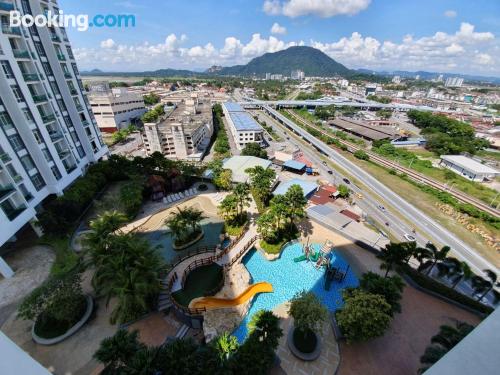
{"points": [[199, 282]]}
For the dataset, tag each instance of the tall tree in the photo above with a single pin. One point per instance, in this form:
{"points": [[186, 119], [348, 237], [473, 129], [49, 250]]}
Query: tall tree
{"points": [[242, 194], [296, 203], [229, 207], [436, 255], [391, 255], [261, 180], [483, 286]]}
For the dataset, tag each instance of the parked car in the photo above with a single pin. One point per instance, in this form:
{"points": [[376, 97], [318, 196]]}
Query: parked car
{"points": [[330, 172], [346, 181], [381, 208]]}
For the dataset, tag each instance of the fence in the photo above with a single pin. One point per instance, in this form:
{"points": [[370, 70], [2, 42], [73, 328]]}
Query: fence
{"points": [[242, 251]]}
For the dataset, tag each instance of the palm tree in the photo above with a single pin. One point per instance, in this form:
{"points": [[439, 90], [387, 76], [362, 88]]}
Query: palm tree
{"points": [[225, 345], [105, 224], [280, 210], [265, 226], [242, 195], [436, 255], [482, 286], [455, 270], [261, 180], [228, 208], [391, 255], [193, 217], [177, 225], [443, 342], [296, 202]]}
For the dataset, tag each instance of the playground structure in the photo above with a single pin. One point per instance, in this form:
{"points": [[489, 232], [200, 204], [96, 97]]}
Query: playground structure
{"points": [[334, 274], [211, 303], [320, 258]]}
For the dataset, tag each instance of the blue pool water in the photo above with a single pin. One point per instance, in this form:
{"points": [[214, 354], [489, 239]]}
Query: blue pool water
{"points": [[288, 278], [211, 227]]}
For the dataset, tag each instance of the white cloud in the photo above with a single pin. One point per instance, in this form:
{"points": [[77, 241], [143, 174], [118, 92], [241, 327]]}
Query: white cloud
{"points": [[278, 29], [450, 14], [466, 51], [484, 59], [321, 8], [108, 43]]}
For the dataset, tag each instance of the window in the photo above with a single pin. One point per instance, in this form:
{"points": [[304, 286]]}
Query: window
{"points": [[7, 69], [39, 49], [54, 88], [26, 194], [27, 163], [46, 153], [80, 151], [5, 121], [70, 53], [38, 136], [47, 68], [56, 172], [12, 171], [16, 142], [17, 93], [37, 181], [28, 115]]}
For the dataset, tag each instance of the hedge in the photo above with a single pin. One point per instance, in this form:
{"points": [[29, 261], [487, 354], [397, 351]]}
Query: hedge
{"points": [[439, 288]]}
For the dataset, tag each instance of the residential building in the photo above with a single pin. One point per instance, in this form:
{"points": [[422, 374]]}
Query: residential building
{"points": [[396, 80], [297, 74], [242, 125], [184, 131], [468, 168], [454, 82], [268, 76], [48, 134], [14, 360], [116, 108]]}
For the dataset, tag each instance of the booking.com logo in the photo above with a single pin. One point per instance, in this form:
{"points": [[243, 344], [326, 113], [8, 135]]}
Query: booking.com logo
{"points": [[81, 22]]}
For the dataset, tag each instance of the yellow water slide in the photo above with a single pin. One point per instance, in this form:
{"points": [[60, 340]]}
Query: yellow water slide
{"points": [[218, 303]]}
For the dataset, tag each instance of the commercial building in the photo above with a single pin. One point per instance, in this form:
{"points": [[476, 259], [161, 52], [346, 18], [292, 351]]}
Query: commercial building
{"points": [[242, 125], [48, 134], [239, 164], [468, 168], [184, 132], [308, 187], [360, 129], [114, 109], [454, 82]]}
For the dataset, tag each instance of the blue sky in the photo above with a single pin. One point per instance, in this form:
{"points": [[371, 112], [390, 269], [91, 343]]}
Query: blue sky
{"points": [[438, 35]]}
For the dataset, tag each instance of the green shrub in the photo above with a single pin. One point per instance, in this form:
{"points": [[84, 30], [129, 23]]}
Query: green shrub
{"points": [[439, 288]]}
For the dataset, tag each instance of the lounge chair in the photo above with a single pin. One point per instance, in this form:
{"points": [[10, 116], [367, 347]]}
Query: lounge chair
{"points": [[193, 191], [177, 196], [187, 193], [169, 199]]}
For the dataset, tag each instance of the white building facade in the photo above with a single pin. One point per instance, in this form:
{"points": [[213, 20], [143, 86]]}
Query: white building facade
{"points": [[243, 127], [116, 108], [48, 134], [183, 133], [469, 168]]}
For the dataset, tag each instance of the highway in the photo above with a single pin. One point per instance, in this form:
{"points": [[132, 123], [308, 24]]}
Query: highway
{"points": [[368, 203], [426, 226], [419, 177]]}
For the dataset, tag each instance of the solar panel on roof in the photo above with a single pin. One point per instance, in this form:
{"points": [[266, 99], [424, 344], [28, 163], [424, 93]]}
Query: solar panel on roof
{"points": [[243, 121], [233, 107]]}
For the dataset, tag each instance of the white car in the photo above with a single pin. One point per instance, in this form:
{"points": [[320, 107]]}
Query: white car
{"points": [[409, 238]]}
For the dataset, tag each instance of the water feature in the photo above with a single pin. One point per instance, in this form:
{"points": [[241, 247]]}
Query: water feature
{"points": [[288, 278]]}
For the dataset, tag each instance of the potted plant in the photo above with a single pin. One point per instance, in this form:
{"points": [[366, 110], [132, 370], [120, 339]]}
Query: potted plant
{"points": [[308, 314]]}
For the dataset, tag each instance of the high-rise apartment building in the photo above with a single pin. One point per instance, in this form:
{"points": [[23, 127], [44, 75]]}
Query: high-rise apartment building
{"points": [[454, 82], [48, 135]]}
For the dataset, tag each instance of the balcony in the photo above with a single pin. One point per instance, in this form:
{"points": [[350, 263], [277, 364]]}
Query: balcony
{"points": [[5, 157], [39, 98], [67, 75], [21, 54], [16, 31], [73, 92], [55, 38], [55, 136], [6, 192], [63, 154], [13, 213], [30, 77], [17, 178], [79, 107], [6, 6], [85, 122], [48, 118], [61, 57]]}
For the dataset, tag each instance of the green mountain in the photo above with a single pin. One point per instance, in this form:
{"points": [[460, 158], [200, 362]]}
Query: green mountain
{"points": [[310, 60]]}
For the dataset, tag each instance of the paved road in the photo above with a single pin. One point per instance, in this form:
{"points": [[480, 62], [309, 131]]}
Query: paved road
{"points": [[368, 203], [424, 224]]}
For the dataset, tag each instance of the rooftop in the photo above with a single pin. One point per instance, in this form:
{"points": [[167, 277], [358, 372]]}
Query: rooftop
{"points": [[187, 116], [294, 164], [469, 164], [241, 119], [233, 107], [307, 186], [239, 164]]}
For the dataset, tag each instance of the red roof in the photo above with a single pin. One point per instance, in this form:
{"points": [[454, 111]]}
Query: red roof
{"points": [[302, 159], [323, 195], [351, 214], [329, 188]]}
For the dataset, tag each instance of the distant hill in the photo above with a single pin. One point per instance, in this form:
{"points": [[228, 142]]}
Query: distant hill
{"points": [[431, 75], [310, 60], [155, 73]]}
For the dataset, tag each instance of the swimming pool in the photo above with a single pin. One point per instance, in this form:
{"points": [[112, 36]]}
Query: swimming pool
{"points": [[288, 278], [212, 228]]}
